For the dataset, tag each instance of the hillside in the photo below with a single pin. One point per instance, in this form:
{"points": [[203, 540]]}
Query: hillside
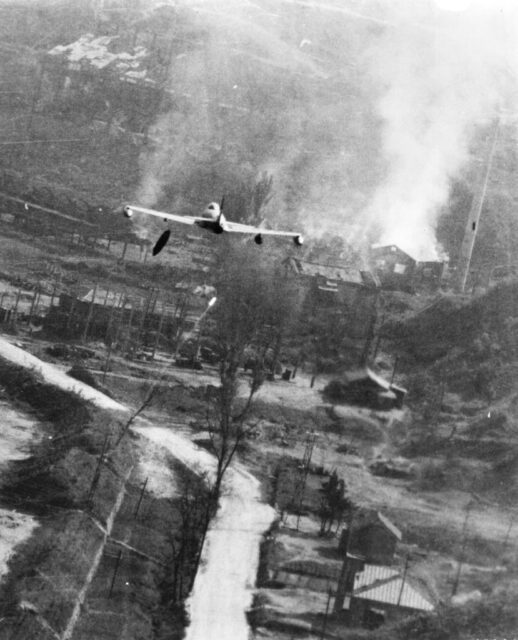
{"points": [[459, 359], [174, 108]]}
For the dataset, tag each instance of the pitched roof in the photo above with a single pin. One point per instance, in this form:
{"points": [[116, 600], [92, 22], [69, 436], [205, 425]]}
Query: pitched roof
{"points": [[391, 527], [369, 517], [374, 574], [390, 248], [366, 373], [333, 272], [386, 586]]}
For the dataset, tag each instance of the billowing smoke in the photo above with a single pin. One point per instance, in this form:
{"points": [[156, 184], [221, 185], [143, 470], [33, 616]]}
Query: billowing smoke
{"points": [[187, 142], [378, 105], [441, 73]]}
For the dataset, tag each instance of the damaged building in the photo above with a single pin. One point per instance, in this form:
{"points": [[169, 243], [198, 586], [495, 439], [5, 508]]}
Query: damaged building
{"points": [[373, 536], [397, 270], [114, 316], [352, 292], [365, 388]]}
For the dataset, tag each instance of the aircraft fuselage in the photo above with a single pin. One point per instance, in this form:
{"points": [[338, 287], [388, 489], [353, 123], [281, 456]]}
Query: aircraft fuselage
{"points": [[213, 221], [211, 225]]}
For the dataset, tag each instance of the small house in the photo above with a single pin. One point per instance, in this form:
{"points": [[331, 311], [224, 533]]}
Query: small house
{"points": [[331, 283], [429, 274], [374, 537], [364, 387], [327, 289], [398, 270], [381, 594], [394, 267]]}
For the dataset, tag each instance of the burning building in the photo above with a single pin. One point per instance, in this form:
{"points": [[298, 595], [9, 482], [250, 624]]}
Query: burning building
{"points": [[329, 287], [397, 270]]}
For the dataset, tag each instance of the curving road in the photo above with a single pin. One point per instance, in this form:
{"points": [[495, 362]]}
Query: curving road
{"points": [[224, 584], [223, 588]]}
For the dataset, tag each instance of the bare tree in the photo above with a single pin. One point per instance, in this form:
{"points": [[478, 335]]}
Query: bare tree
{"points": [[146, 402], [195, 510], [251, 310]]}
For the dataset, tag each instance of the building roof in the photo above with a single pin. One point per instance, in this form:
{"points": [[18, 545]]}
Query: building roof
{"points": [[369, 517], [389, 525], [364, 373], [385, 585], [333, 273], [98, 52], [390, 248], [374, 574]]}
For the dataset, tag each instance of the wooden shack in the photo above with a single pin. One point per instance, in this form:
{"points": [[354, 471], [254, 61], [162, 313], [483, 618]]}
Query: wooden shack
{"points": [[366, 388], [328, 288], [374, 537]]}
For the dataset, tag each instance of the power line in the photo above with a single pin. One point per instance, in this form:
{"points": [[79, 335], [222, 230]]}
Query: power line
{"points": [[13, 142]]}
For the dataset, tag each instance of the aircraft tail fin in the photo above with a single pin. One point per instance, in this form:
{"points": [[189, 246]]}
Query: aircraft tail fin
{"points": [[221, 205]]}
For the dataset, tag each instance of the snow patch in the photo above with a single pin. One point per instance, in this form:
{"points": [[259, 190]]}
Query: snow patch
{"points": [[96, 52], [154, 466], [15, 528]]}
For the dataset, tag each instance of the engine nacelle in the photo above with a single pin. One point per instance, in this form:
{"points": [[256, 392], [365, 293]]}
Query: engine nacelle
{"points": [[258, 239], [298, 241], [128, 211]]}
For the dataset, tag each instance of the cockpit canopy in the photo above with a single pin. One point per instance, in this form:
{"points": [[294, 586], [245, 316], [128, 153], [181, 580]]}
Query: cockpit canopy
{"points": [[212, 211]]}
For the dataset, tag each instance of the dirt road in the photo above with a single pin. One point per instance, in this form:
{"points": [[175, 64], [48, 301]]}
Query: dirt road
{"points": [[223, 587]]}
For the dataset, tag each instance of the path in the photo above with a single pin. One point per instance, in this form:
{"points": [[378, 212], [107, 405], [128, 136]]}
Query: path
{"points": [[223, 588]]}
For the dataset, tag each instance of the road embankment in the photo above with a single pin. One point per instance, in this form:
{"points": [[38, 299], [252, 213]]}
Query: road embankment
{"points": [[100, 560]]}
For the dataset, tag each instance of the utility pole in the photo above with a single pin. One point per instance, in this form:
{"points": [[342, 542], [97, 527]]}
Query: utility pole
{"points": [[394, 369], [90, 313], [326, 614], [461, 559], [137, 508], [304, 471], [115, 570], [159, 330], [508, 532], [352, 565], [405, 570], [97, 472], [472, 223]]}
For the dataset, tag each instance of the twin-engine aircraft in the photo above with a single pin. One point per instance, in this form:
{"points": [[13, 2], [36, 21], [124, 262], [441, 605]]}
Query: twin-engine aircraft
{"points": [[211, 219]]}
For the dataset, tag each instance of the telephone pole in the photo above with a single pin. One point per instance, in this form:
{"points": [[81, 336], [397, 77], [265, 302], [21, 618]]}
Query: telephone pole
{"points": [[470, 234], [304, 471]]}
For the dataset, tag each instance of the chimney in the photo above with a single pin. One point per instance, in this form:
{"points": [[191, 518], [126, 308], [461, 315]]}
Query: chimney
{"points": [[352, 565]]}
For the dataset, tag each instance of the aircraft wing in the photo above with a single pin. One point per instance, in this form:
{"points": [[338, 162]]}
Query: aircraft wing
{"points": [[235, 227], [129, 210]]}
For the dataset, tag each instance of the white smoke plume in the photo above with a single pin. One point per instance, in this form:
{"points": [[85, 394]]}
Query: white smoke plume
{"points": [[442, 73], [428, 78]]}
